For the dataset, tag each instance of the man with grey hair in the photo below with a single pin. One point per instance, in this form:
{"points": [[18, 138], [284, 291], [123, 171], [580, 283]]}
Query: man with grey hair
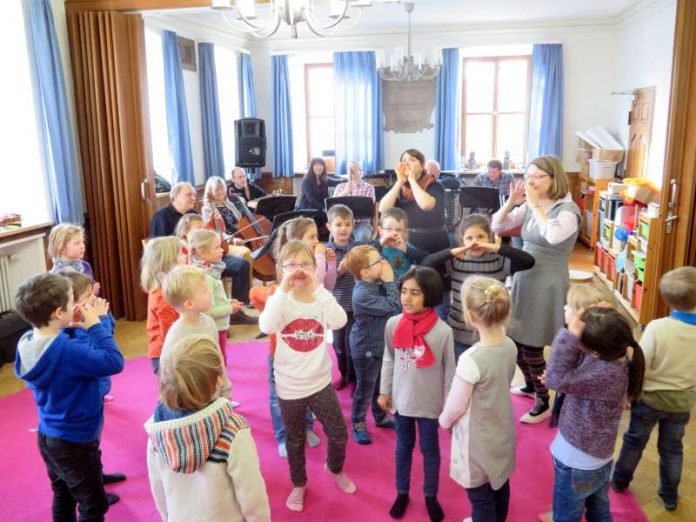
{"points": [[432, 167], [183, 199]]}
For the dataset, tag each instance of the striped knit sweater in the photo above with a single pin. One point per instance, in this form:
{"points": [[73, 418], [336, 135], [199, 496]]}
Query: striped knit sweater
{"points": [[498, 266], [204, 467]]}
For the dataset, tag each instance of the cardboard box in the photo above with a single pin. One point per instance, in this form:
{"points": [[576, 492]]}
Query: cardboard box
{"points": [[602, 145]]}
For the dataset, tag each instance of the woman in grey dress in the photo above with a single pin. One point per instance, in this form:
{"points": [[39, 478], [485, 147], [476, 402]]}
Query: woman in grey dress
{"points": [[550, 221]]}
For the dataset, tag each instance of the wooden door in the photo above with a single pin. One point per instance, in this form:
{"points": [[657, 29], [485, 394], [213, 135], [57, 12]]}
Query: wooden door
{"points": [[639, 133]]}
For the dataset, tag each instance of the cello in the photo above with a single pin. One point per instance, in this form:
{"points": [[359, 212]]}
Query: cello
{"points": [[254, 229]]}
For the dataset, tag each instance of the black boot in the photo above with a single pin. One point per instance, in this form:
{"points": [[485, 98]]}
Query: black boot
{"points": [[434, 509], [399, 506]]}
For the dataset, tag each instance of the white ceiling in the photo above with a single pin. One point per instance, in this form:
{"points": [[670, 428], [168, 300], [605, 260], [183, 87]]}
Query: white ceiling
{"points": [[429, 15]]}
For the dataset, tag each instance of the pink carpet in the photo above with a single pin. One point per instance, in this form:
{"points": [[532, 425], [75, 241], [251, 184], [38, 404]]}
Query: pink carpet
{"points": [[25, 494]]}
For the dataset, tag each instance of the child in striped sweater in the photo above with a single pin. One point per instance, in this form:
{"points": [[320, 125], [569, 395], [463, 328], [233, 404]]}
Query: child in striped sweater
{"points": [[201, 457], [476, 255]]}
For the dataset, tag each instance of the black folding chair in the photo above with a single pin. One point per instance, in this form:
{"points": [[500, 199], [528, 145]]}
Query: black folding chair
{"points": [[271, 206]]}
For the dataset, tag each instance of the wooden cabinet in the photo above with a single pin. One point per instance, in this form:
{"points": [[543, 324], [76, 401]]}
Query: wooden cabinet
{"points": [[586, 195]]}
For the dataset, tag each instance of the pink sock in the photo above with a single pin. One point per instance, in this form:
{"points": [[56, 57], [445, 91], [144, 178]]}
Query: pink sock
{"points": [[295, 501], [342, 480]]}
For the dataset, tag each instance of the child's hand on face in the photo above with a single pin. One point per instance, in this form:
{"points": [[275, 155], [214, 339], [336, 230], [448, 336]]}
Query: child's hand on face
{"points": [[90, 317], [101, 306], [385, 402], [320, 249], [576, 326], [236, 305], [330, 255], [487, 247], [96, 288], [460, 252], [399, 243], [386, 271]]}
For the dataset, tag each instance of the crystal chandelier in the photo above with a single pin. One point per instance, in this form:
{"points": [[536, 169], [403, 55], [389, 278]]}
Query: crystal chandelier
{"points": [[407, 69], [292, 12]]}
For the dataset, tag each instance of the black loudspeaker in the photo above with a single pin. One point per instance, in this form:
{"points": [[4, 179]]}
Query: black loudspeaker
{"points": [[250, 138]]}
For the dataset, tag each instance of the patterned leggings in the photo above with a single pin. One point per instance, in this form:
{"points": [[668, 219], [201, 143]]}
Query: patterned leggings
{"points": [[324, 405], [531, 361]]}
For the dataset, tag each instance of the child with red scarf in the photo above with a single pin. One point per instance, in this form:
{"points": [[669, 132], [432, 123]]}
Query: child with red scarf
{"points": [[417, 372]]}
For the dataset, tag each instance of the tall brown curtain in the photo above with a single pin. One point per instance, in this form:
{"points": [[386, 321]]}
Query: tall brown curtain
{"points": [[108, 63]]}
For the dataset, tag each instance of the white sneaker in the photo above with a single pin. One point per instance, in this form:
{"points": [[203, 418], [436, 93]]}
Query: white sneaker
{"points": [[528, 418], [313, 439], [468, 519], [521, 391]]}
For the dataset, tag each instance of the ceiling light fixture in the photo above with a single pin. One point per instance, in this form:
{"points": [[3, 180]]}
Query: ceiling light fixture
{"points": [[292, 12], [407, 69]]}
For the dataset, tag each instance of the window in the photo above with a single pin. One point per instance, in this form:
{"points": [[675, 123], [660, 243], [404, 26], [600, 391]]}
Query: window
{"points": [[24, 184], [154, 55], [319, 100], [228, 100], [495, 107]]}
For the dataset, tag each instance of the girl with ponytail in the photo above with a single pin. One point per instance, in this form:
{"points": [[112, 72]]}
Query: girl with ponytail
{"points": [[478, 408], [598, 364]]}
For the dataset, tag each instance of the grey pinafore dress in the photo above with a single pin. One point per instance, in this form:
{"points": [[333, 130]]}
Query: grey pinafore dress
{"points": [[539, 294]]}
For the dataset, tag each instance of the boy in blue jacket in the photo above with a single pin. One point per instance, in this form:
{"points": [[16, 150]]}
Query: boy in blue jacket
{"points": [[65, 376]]}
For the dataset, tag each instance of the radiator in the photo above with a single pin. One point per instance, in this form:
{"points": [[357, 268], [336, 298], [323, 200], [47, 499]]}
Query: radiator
{"points": [[6, 301]]}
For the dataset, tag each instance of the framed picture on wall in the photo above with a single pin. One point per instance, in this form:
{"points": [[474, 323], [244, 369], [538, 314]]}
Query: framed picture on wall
{"points": [[187, 52]]}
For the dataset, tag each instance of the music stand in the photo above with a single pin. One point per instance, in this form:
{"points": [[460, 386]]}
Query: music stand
{"points": [[271, 206], [485, 199], [362, 206]]}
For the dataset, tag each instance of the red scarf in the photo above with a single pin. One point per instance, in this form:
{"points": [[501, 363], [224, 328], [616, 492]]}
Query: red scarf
{"points": [[425, 181], [410, 333]]}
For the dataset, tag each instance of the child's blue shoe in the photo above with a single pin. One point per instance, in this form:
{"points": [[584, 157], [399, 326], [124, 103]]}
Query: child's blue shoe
{"points": [[361, 437]]}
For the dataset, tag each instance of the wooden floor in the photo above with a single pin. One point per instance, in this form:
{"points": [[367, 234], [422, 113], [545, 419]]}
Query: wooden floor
{"points": [[133, 343]]}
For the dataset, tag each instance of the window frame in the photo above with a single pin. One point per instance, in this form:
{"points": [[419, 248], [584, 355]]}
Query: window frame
{"points": [[308, 112], [494, 113]]}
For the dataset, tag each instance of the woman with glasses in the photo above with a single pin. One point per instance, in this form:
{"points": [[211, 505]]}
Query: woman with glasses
{"points": [[550, 222]]}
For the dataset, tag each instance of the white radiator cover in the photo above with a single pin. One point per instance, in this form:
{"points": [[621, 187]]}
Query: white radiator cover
{"points": [[19, 259]]}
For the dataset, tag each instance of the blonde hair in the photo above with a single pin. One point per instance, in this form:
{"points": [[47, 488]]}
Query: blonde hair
{"points": [[357, 259], [678, 288], [487, 299], [160, 256], [181, 282], [585, 295], [292, 229], [189, 373], [552, 166], [59, 237], [201, 239], [185, 224], [291, 249]]}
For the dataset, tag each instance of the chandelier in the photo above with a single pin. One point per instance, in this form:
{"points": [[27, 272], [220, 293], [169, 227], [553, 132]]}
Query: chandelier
{"points": [[407, 69], [292, 12]]}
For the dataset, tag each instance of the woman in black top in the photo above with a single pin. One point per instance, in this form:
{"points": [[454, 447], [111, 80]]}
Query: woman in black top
{"points": [[315, 189], [422, 197]]}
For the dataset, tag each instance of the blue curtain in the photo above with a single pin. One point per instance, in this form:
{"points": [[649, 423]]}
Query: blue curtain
{"points": [[56, 135], [358, 111], [210, 112], [282, 119], [175, 102], [446, 111], [247, 97], [545, 135]]}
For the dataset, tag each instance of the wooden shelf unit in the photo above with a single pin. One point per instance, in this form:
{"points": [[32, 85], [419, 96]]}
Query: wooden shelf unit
{"points": [[649, 288], [587, 192]]}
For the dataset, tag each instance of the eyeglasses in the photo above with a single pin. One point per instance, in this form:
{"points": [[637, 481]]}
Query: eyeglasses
{"points": [[535, 177], [376, 262], [294, 266], [397, 230]]}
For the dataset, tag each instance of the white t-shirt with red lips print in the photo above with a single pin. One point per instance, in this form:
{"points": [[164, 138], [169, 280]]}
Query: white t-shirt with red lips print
{"points": [[302, 364]]}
